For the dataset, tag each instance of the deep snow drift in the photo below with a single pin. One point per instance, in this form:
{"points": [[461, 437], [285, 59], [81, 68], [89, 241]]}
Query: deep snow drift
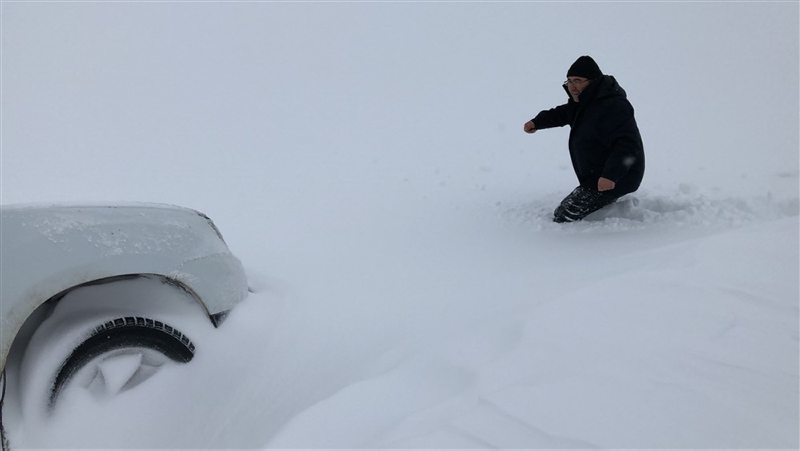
{"points": [[367, 164], [490, 333]]}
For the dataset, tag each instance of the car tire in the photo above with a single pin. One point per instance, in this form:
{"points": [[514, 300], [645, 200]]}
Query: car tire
{"points": [[123, 334], [143, 322]]}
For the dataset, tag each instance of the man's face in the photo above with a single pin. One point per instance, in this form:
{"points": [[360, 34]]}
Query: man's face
{"points": [[576, 85]]}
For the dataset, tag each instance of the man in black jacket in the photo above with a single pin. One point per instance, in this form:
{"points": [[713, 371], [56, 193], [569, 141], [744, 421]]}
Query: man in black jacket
{"points": [[604, 140]]}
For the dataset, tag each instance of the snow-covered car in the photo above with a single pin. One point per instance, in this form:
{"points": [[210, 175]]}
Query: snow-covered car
{"points": [[84, 286]]}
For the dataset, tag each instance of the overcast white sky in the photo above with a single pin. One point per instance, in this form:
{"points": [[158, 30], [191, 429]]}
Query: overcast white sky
{"points": [[105, 101]]}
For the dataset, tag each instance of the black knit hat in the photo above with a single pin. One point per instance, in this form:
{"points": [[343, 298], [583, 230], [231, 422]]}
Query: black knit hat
{"points": [[585, 67]]}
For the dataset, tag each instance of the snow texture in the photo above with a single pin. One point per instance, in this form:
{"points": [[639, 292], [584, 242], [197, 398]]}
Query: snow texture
{"points": [[366, 161]]}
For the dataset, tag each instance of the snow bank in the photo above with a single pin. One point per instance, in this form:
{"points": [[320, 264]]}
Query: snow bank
{"points": [[674, 351]]}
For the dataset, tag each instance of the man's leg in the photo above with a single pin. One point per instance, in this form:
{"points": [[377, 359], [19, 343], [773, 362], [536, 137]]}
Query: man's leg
{"points": [[580, 202]]}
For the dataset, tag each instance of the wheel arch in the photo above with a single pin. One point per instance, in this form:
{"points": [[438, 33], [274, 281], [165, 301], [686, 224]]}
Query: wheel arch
{"points": [[40, 309], [48, 250]]}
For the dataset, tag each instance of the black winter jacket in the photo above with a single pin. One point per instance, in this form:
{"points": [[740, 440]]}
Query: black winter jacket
{"points": [[604, 140]]}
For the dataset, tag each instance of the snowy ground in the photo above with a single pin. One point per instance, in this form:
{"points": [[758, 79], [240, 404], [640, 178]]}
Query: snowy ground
{"points": [[367, 164]]}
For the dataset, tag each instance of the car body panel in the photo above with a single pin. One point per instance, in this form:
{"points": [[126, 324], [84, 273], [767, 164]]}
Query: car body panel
{"points": [[47, 249]]}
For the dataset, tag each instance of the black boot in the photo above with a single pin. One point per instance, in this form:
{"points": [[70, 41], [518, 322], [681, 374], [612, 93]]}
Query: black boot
{"points": [[581, 202]]}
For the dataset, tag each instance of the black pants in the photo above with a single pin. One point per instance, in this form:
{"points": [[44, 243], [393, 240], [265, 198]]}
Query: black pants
{"points": [[582, 201]]}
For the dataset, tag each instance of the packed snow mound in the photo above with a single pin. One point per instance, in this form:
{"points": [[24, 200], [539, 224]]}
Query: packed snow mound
{"points": [[659, 347], [686, 207]]}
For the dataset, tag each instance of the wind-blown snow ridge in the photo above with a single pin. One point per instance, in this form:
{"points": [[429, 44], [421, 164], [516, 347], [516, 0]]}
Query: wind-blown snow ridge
{"points": [[666, 353]]}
